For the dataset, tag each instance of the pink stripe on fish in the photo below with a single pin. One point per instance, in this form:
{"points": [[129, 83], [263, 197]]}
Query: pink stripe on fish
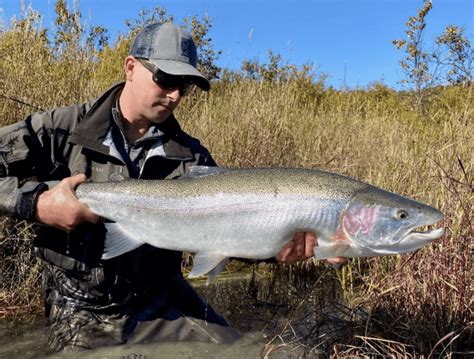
{"points": [[360, 219]]}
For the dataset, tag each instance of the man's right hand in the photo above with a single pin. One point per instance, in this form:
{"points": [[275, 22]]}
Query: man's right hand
{"points": [[60, 208]]}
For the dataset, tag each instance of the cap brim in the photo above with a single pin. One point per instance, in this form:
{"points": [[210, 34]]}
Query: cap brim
{"points": [[182, 69]]}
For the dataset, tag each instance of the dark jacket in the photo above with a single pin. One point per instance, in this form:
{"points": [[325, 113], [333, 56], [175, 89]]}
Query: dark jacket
{"points": [[76, 139]]}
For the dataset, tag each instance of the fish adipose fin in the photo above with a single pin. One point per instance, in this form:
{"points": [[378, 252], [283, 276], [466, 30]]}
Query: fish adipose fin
{"points": [[202, 171], [208, 263], [118, 241], [330, 251]]}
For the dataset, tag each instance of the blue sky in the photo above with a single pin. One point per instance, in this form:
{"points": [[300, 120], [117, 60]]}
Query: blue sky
{"points": [[350, 40]]}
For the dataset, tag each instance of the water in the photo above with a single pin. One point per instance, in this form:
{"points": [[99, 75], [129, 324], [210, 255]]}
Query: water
{"points": [[286, 315], [23, 340]]}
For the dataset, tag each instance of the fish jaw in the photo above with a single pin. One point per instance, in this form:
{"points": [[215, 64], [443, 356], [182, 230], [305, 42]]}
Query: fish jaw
{"points": [[416, 240]]}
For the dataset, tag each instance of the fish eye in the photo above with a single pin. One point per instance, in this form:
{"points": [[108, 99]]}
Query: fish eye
{"points": [[401, 214]]}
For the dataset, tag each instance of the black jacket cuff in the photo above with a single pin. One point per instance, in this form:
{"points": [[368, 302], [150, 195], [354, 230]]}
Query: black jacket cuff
{"points": [[26, 206]]}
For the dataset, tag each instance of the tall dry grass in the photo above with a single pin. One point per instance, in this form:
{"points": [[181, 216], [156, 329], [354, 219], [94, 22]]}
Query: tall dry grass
{"points": [[421, 302]]}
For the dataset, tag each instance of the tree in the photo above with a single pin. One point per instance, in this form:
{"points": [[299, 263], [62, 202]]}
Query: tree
{"points": [[416, 63], [456, 54], [451, 61], [275, 69], [70, 34]]}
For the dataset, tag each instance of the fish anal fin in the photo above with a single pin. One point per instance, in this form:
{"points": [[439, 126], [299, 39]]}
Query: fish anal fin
{"points": [[118, 241], [208, 263], [217, 269]]}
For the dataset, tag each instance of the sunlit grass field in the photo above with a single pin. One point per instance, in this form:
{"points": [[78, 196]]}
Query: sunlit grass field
{"points": [[422, 300]]}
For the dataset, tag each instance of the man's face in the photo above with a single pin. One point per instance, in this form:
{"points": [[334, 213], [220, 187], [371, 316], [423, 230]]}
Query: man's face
{"points": [[150, 101]]}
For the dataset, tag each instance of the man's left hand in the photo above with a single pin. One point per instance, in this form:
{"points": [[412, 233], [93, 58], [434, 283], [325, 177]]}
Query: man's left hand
{"points": [[298, 249], [301, 247]]}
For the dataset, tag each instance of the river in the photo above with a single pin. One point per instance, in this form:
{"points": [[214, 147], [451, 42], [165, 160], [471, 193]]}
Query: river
{"points": [[279, 315]]}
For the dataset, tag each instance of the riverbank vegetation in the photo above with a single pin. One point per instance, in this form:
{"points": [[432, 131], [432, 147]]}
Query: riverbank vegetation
{"points": [[416, 143]]}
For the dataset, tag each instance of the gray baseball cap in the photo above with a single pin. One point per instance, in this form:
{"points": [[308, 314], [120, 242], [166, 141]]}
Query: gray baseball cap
{"points": [[171, 49]]}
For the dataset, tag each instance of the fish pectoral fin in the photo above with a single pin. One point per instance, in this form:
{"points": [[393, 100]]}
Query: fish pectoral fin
{"points": [[331, 250], [208, 263], [118, 241]]}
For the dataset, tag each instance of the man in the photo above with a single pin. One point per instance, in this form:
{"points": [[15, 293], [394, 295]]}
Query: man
{"points": [[129, 131]]}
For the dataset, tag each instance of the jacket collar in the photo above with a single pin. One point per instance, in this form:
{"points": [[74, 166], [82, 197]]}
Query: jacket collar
{"points": [[92, 131]]}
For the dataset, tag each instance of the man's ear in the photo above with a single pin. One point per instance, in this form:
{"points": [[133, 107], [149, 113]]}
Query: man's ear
{"points": [[129, 66]]}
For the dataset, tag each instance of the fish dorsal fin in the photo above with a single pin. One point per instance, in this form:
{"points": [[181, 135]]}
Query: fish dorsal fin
{"points": [[117, 177], [202, 171], [118, 241], [208, 263]]}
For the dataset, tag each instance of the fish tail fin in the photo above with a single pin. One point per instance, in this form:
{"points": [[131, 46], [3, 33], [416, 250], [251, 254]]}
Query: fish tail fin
{"points": [[118, 241]]}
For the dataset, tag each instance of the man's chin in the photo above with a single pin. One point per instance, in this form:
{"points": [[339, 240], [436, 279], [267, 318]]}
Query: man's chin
{"points": [[160, 117]]}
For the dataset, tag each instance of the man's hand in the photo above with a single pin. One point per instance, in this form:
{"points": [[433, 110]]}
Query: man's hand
{"points": [[298, 249], [301, 247], [60, 208]]}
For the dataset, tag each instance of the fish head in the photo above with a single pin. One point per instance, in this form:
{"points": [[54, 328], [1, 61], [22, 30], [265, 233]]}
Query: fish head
{"points": [[378, 222]]}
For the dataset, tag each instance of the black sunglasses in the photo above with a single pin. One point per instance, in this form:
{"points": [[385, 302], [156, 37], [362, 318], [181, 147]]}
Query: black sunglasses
{"points": [[167, 81]]}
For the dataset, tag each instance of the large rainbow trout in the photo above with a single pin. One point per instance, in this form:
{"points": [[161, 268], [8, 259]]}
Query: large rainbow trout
{"points": [[252, 213]]}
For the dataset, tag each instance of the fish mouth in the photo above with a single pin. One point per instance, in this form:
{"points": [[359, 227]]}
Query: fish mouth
{"points": [[423, 237], [412, 241]]}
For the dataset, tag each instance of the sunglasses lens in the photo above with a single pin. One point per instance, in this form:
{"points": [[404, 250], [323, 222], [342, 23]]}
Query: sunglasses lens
{"points": [[171, 82], [166, 81]]}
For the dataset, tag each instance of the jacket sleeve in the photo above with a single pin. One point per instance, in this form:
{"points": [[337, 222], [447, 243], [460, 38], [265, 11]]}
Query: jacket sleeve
{"points": [[25, 161], [19, 201]]}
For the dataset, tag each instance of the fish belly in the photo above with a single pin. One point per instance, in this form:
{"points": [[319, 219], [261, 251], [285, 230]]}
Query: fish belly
{"points": [[244, 226]]}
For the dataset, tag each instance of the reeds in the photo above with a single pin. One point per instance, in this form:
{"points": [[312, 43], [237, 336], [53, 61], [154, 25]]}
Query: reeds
{"points": [[417, 304], [20, 270]]}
